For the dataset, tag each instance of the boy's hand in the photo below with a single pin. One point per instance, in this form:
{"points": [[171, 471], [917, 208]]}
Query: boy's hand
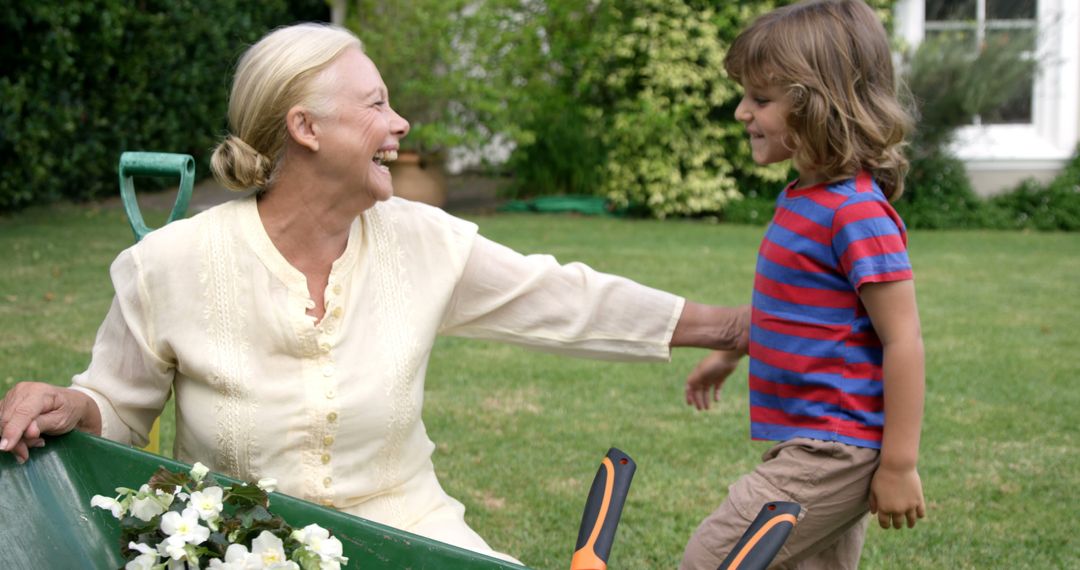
{"points": [[896, 494], [709, 375]]}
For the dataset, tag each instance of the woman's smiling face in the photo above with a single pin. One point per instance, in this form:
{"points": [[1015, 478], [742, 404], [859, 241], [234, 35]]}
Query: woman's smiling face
{"points": [[362, 132]]}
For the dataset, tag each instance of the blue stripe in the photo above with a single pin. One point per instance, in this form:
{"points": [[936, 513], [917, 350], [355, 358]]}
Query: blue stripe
{"points": [[792, 241], [879, 264], [882, 225], [815, 348], [810, 210], [799, 278], [783, 433], [812, 347], [854, 386], [801, 313], [797, 407]]}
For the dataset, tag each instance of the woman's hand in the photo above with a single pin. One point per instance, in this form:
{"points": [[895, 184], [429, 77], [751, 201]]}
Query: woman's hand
{"points": [[31, 410], [709, 376], [895, 495]]}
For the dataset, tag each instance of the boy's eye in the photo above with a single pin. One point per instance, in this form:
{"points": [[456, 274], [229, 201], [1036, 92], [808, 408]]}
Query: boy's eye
{"points": [[761, 100]]}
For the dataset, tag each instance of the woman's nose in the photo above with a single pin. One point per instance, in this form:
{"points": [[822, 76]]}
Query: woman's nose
{"points": [[398, 125]]}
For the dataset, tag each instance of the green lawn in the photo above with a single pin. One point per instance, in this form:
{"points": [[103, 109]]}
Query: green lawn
{"points": [[520, 435]]}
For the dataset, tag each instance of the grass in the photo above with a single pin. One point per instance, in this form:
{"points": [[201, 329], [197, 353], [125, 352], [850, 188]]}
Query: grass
{"points": [[519, 435]]}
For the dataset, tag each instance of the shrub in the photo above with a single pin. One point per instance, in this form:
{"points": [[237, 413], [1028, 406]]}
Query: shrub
{"points": [[84, 81], [1054, 206], [938, 194]]}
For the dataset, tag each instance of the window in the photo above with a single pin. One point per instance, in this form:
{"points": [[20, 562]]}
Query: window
{"points": [[980, 22], [1037, 127]]}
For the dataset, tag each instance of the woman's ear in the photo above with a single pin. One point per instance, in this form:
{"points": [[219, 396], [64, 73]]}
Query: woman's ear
{"points": [[301, 128]]}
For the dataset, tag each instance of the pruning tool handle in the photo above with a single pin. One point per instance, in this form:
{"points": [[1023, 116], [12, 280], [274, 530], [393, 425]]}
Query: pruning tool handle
{"points": [[763, 539], [154, 164], [602, 511]]}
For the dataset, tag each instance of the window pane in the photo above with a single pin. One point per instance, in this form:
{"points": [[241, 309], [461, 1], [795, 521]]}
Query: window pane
{"points": [[1022, 40], [937, 10], [1010, 9], [956, 39], [1015, 111]]}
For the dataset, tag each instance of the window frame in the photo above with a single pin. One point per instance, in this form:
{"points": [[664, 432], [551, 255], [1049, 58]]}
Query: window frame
{"points": [[1051, 137]]}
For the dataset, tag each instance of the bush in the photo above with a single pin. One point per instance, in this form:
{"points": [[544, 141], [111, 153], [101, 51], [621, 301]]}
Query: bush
{"points": [[84, 81], [1054, 206], [938, 194]]}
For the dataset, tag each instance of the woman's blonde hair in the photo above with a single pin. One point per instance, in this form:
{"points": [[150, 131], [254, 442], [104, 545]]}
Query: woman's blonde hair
{"points": [[280, 71], [832, 58]]}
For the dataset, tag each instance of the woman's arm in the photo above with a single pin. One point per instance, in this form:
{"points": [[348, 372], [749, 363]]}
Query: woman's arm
{"points": [[718, 328], [896, 490]]}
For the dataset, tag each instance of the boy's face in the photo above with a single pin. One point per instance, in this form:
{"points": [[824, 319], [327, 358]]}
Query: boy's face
{"points": [[764, 112]]}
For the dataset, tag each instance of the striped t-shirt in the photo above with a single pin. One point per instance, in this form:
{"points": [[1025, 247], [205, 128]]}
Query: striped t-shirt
{"points": [[815, 360]]}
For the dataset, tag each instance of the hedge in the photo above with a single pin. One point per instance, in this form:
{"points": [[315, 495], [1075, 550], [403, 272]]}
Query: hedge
{"points": [[84, 81]]}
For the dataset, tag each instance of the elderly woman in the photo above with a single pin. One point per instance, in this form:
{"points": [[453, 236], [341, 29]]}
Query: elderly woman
{"points": [[295, 326]]}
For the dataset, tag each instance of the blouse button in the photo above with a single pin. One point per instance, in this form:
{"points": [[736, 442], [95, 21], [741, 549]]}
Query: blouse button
{"points": [[331, 417], [325, 458], [328, 370], [337, 289], [330, 394], [328, 440], [336, 312], [324, 348], [327, 503], [326, 482]]}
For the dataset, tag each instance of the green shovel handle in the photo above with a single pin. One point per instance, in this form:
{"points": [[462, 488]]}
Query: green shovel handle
{"points": [[155, 164]]}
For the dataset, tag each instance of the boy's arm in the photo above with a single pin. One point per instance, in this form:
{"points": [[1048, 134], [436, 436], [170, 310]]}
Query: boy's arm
{"points": [[896, 490]]}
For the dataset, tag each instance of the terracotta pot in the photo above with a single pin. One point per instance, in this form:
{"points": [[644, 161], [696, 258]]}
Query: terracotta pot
{"points": [[418, 180]]}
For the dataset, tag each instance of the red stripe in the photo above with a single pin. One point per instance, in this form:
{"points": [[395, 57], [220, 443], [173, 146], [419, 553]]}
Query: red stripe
{"points": [[804, 295], [860, 211], [803, 226], [820, 331], [889, 277], [783, 256], [830, 200], [822, 394], [848, 428], [871, 246], [801, 364], [796, 362]]}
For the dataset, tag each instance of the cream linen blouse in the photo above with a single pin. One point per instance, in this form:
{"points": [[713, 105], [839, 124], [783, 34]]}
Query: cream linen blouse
{"points": [[207, 307]]}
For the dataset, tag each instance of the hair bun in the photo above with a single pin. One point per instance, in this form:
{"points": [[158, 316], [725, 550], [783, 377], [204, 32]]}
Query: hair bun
{"points": [[238, 166]]}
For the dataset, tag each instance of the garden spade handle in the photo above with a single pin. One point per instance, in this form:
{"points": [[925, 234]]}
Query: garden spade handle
{"points": [[154, 164], [602, 511], [763, 539]]}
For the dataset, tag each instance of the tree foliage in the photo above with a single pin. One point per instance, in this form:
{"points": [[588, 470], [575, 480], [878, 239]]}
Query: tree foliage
{"points": [[86, 80]]}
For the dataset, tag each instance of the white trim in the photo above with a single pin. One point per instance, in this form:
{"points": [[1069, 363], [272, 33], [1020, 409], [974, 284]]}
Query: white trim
{"points": [[1052, 136]]}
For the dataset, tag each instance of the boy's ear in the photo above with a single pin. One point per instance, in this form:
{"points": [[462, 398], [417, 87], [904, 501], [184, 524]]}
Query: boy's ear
{"points": [[300, 124]]}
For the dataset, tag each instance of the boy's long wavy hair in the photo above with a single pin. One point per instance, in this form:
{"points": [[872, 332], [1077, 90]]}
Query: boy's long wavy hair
{"points": [[832, 59]]}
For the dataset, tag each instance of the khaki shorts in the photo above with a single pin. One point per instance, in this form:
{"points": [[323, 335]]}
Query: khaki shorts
{"points": [[830, 480]]}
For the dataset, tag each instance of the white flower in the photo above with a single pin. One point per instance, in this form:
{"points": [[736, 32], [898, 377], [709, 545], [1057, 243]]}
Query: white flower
{"points": [[146, 508], [142, 562], [208, 502], [199, 471], [268, 484], [172, 548], [146, 560], [318, 540], [108, 504], [237, 557], [270, 551], [184, 527]]}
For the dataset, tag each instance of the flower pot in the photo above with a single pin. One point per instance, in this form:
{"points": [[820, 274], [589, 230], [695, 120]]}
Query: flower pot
{"points": [[419, 179]]}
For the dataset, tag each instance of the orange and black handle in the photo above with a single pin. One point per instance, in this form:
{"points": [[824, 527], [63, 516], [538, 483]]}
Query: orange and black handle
{"points": [[602, 511], [763, 539]]}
